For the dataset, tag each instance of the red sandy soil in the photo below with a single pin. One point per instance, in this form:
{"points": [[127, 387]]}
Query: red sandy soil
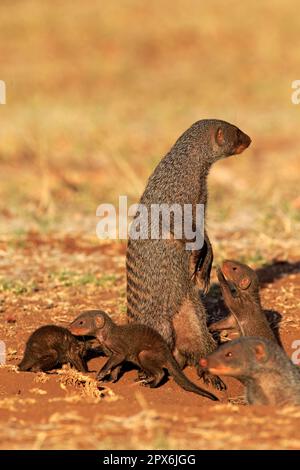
{"points": [[65, 410]]}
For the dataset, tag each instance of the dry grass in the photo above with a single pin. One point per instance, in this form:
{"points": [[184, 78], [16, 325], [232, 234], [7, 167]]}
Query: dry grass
{"points": [[88, 387], [98, 93]]}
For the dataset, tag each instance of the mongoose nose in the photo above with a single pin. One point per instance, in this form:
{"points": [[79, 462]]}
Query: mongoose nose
{"points": [[243, 142], [203, 362], [247, 140]]}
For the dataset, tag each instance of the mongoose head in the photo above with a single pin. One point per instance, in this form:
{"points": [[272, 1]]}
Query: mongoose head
{"points": [[228, 140], [238, 358], [240, 276], [88, 323], [215, 138]]}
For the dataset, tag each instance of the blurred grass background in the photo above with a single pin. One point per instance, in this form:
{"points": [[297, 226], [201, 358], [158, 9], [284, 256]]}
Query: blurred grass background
{"points": [[97, 92]]}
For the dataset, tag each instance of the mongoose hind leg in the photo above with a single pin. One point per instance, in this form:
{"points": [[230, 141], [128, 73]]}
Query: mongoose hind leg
{"points": [[113, 376], [193, 340], [141, 375], [154, 380], [152, 367], [164, 327], [180, 358]]}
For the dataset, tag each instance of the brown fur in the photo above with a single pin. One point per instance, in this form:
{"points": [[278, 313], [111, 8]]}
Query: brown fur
{"points": [[134, 343], [51, 346], [246, 314]]}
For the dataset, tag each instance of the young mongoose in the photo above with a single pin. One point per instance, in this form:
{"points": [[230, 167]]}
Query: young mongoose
{"points": [[51, 346], [246, 313], [135, 343], [161, 288], [262, 366]]}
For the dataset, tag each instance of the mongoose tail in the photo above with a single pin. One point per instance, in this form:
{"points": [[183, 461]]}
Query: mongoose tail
{"points": [[182, 380]]}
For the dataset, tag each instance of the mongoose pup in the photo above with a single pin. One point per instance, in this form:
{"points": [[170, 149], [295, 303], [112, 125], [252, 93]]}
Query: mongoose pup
{"points": [[135, 343], [240, 289], [51, 346], [262, 366], [161, 288]]}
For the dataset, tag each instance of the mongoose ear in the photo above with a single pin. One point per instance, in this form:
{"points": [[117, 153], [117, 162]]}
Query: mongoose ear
{"points": [[220, 137], [260, 352], [245, 283], [100, 321]]}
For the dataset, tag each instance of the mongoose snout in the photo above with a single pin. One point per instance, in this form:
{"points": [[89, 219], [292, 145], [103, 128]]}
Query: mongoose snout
{"points": [[239, 274], [225, 361], [230, 140], [203, 363], [243, 142]]}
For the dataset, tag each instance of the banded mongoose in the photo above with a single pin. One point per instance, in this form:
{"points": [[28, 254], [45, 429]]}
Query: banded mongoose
{"points": [[135, 343], [51, 346], [161, 288], [261, 366], [240, 289]]}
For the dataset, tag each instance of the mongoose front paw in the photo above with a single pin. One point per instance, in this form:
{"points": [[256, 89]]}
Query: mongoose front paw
{"points": [[205, 286], [209, 379], [217, 383], [103, 376], [108, 378], [202, 280]]}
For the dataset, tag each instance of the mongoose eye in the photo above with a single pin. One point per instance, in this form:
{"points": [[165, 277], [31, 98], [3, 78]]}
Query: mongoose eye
{"points": [[234, 268], [81, 322], [229, 354]]}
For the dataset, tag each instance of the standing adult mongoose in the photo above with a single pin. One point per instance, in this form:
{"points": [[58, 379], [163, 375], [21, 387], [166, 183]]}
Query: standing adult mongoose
{"points": [[135, 343], [262, 366], [246, 313], [161, 291], [50, 346]]}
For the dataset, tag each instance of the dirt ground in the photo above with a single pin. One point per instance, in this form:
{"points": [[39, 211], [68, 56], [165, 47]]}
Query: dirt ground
{"points": [[65, 409]]}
